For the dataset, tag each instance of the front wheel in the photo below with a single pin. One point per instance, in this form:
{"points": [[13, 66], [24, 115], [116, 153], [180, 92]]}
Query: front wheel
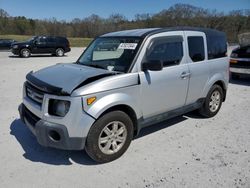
{"points": [[25, 52], [109, 137], [212, 102]]}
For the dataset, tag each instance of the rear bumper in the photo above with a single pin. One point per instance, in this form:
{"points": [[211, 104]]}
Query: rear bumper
{"points": [[67, 50], [50, 134], [240, 70]]}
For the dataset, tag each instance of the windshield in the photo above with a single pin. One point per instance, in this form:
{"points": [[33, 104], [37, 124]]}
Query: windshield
{"points": [[113, 54], [31, 39]]}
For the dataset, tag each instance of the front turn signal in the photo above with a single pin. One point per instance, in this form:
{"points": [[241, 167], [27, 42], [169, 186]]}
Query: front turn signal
{"points": [[91, 100]]}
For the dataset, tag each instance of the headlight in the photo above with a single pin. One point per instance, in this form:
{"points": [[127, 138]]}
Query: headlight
{"points": [[234, 55], [15, 46], [58, 107]]}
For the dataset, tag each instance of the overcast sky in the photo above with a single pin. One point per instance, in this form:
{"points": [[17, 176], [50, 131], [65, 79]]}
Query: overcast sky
{"points": [[69, 9]]}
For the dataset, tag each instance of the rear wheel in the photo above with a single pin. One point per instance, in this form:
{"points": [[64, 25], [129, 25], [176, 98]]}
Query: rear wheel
{"points": [[25, 52], [109, 137], [59, 52], [212, 102]]}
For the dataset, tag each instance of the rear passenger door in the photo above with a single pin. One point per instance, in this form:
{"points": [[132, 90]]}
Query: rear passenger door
{"points": [[197, 63], [51, 44], [164, 90]]}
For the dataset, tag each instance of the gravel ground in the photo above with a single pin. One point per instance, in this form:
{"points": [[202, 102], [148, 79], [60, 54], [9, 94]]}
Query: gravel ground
{"points": [[186, 151]]}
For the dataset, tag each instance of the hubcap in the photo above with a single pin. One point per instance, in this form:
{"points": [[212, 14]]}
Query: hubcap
{"points": [[25, 53], [59, 52], [214, 102], [112, 137]]}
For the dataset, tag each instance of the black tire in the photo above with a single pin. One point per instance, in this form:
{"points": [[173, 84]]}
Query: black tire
{"points": [[59, 52], [235, 76], [93, 147], [207, 110], [25, 52]]}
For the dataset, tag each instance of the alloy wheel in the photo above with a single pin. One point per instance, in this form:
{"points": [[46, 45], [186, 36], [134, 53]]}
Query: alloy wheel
{"points": [[112, 137]]}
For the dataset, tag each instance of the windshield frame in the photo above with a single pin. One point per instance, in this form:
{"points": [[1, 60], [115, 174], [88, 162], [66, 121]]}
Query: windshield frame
{"points": [[32, 39], [137, 50]]}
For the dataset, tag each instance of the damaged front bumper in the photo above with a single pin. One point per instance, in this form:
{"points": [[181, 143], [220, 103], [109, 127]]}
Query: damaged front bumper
{"points": [[50, 134]]}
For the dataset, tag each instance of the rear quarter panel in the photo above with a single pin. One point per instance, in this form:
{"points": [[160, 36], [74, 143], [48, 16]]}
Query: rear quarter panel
{"points": [[219, 71]]}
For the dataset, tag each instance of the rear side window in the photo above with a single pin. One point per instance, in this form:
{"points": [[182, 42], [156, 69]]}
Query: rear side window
{"points": [[62, 40], [51, 39], [169, 50], [217, 46], [196, 48]]}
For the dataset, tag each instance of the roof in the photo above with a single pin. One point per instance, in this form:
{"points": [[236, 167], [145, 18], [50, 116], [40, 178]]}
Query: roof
{"points": [[130, 33], [149, 31]]}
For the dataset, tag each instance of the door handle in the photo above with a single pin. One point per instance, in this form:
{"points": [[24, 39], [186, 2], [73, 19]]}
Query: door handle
{"points": [[185, 75]]}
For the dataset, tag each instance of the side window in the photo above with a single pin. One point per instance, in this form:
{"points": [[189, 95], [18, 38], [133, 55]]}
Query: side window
{"points": [[196, 48], [51, 39], [217, 46], [42, 40], [169, 50]]}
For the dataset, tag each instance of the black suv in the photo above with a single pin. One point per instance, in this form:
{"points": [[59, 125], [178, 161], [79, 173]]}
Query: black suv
{"points": [[41, 45], [5, 44]]}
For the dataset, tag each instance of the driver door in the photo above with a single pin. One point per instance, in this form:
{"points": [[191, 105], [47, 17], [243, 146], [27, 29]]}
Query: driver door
{"points": [[164, 90], [40, 45]]}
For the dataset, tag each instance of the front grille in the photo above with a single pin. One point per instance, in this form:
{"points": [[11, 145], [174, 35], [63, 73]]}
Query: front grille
{"points": [[240, 64], [34, 94], [30, 117]]}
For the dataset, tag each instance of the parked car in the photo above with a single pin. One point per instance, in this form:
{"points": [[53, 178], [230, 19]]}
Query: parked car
{"points": [[42, 45], [104, 99], [240, 57], [5, 44]]}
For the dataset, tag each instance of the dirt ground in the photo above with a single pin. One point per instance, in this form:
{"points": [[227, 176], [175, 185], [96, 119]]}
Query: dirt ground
{"points": [[187, 151]]}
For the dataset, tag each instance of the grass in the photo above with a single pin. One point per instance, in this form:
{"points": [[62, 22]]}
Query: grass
{"points": [[79, 42], [74, 42]]}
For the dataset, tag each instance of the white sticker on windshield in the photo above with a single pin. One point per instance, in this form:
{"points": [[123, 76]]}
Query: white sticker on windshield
{"points": [[127, 46]]}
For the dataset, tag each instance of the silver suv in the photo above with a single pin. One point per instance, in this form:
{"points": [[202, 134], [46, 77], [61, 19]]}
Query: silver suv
{"points": [[125, 81]]}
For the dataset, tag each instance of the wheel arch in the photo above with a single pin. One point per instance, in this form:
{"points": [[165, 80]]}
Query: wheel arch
{"points": [[217, 79], [126, 109], [25, 47], [223, 87], [57, 47]]}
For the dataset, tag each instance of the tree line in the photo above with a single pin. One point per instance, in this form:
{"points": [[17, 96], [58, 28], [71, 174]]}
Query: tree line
{"points": [[232, 23]]}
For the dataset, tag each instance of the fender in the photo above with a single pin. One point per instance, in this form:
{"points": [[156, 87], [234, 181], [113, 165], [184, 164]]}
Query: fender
{"points": [[113, 99]]}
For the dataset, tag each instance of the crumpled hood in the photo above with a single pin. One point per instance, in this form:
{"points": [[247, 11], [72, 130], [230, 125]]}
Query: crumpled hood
{"points": [[64, 78]]}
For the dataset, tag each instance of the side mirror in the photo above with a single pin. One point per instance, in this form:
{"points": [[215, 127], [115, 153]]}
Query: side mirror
{"points": [[153, 65]]}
